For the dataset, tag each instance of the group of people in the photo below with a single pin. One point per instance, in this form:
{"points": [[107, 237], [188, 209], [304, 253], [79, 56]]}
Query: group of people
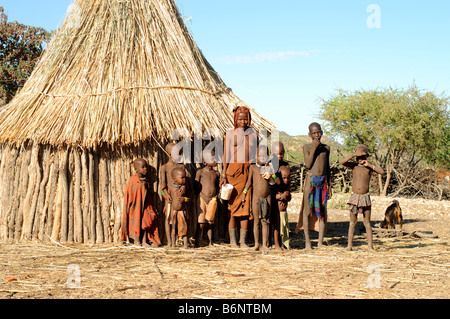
{"points": [[260, 194]]}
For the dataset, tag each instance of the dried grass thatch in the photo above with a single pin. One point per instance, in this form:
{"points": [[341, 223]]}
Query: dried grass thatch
{"points": [[115, 82], [119, 72]]}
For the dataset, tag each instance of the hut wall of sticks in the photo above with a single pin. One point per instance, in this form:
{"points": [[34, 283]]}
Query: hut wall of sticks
{"points": [[116, 80]]}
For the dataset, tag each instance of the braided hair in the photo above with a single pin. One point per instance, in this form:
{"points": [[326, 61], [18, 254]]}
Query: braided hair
{"points": [[242, 109]]}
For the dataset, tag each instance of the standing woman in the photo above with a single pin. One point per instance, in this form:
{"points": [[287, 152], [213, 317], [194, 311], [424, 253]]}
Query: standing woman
{"points": [[239, 152]]}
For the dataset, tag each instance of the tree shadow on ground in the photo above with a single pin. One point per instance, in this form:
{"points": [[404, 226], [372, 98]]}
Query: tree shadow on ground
{"points": [[337, 234]]}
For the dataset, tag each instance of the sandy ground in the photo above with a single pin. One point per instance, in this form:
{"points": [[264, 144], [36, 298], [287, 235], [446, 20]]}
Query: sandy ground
{"points": [[401, 267]]}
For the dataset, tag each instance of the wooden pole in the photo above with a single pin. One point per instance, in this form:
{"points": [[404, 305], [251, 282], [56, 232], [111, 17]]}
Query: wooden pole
{"points": [[78, 214], [22, 191], [104, 197], [42, 191], [92, 211], [30, 202], [64, 196], [70, 180], [86, 193], [53, 196]]}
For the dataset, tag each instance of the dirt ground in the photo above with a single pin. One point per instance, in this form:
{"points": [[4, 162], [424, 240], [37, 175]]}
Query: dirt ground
{"points": [[402, 266]]}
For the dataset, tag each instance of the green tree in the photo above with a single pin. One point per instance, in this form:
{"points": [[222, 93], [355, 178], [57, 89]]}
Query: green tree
{"points": [[20, 48], [394, 123]]}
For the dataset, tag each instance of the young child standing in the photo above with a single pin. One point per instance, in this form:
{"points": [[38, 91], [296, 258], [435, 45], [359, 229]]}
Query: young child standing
{"points": [[360, 202], [278, 217], [259, 177], [166, 180], [207, 188], [178, 212], [316, 191], [139, 210], [283, 197]]}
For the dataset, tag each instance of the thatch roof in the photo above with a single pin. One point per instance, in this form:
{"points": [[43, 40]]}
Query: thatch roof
{"points": [[119, 72]]}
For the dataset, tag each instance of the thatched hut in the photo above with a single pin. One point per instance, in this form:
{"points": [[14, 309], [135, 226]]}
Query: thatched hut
{"points": [[116, 80]]}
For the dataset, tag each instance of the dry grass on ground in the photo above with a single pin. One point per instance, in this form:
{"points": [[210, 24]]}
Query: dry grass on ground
{"points": [[408, 267]]}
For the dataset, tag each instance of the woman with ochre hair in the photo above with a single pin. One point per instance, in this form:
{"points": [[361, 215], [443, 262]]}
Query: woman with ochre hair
{"points": [[239, 148]]}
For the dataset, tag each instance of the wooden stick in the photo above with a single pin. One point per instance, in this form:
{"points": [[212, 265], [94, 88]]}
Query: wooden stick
{"points": [[52, 199], [40, 203], [43, 195], [117, 198], [86, 197], [105, 207], [23, 191], [4, 192], [78, 215], [14, 178], [100, 237], [31, 198], [92, 212], [64, 195], [70, 178]]}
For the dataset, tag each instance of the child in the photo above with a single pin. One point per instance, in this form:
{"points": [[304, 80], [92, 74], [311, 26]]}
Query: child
{"points": [[178, 212], [360, 202], [259, 177], [165, 180], [277, 158], [207, 187], [139, 211], [316, 192], [283, 197], [278, 151]]}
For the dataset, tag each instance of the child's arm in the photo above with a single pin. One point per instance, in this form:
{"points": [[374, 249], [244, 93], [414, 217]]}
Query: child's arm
{"points": [[288, 195], [197, 183], [270, 173], [164, 189], [248, 184], [223, 175], [279, 196], [330, 188], [309, 150], [345, 161], [374, 168]]}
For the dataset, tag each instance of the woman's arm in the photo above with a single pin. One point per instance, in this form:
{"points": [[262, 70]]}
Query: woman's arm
{"points": [[223, 175]]}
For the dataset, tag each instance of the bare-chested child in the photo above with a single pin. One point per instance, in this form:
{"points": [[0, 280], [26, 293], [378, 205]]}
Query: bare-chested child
{"points": [[259, 177], [283, 197], [360, 202], [207, 187], [165, 181], [278, 162], [316, 191], [178, 212]]}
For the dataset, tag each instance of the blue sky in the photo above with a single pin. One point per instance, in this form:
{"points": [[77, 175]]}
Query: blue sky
{"points": [[282, 56]]}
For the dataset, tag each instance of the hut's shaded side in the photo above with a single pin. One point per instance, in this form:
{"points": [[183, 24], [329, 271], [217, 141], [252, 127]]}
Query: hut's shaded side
{"points": [[114, 83], [66, 194]]}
